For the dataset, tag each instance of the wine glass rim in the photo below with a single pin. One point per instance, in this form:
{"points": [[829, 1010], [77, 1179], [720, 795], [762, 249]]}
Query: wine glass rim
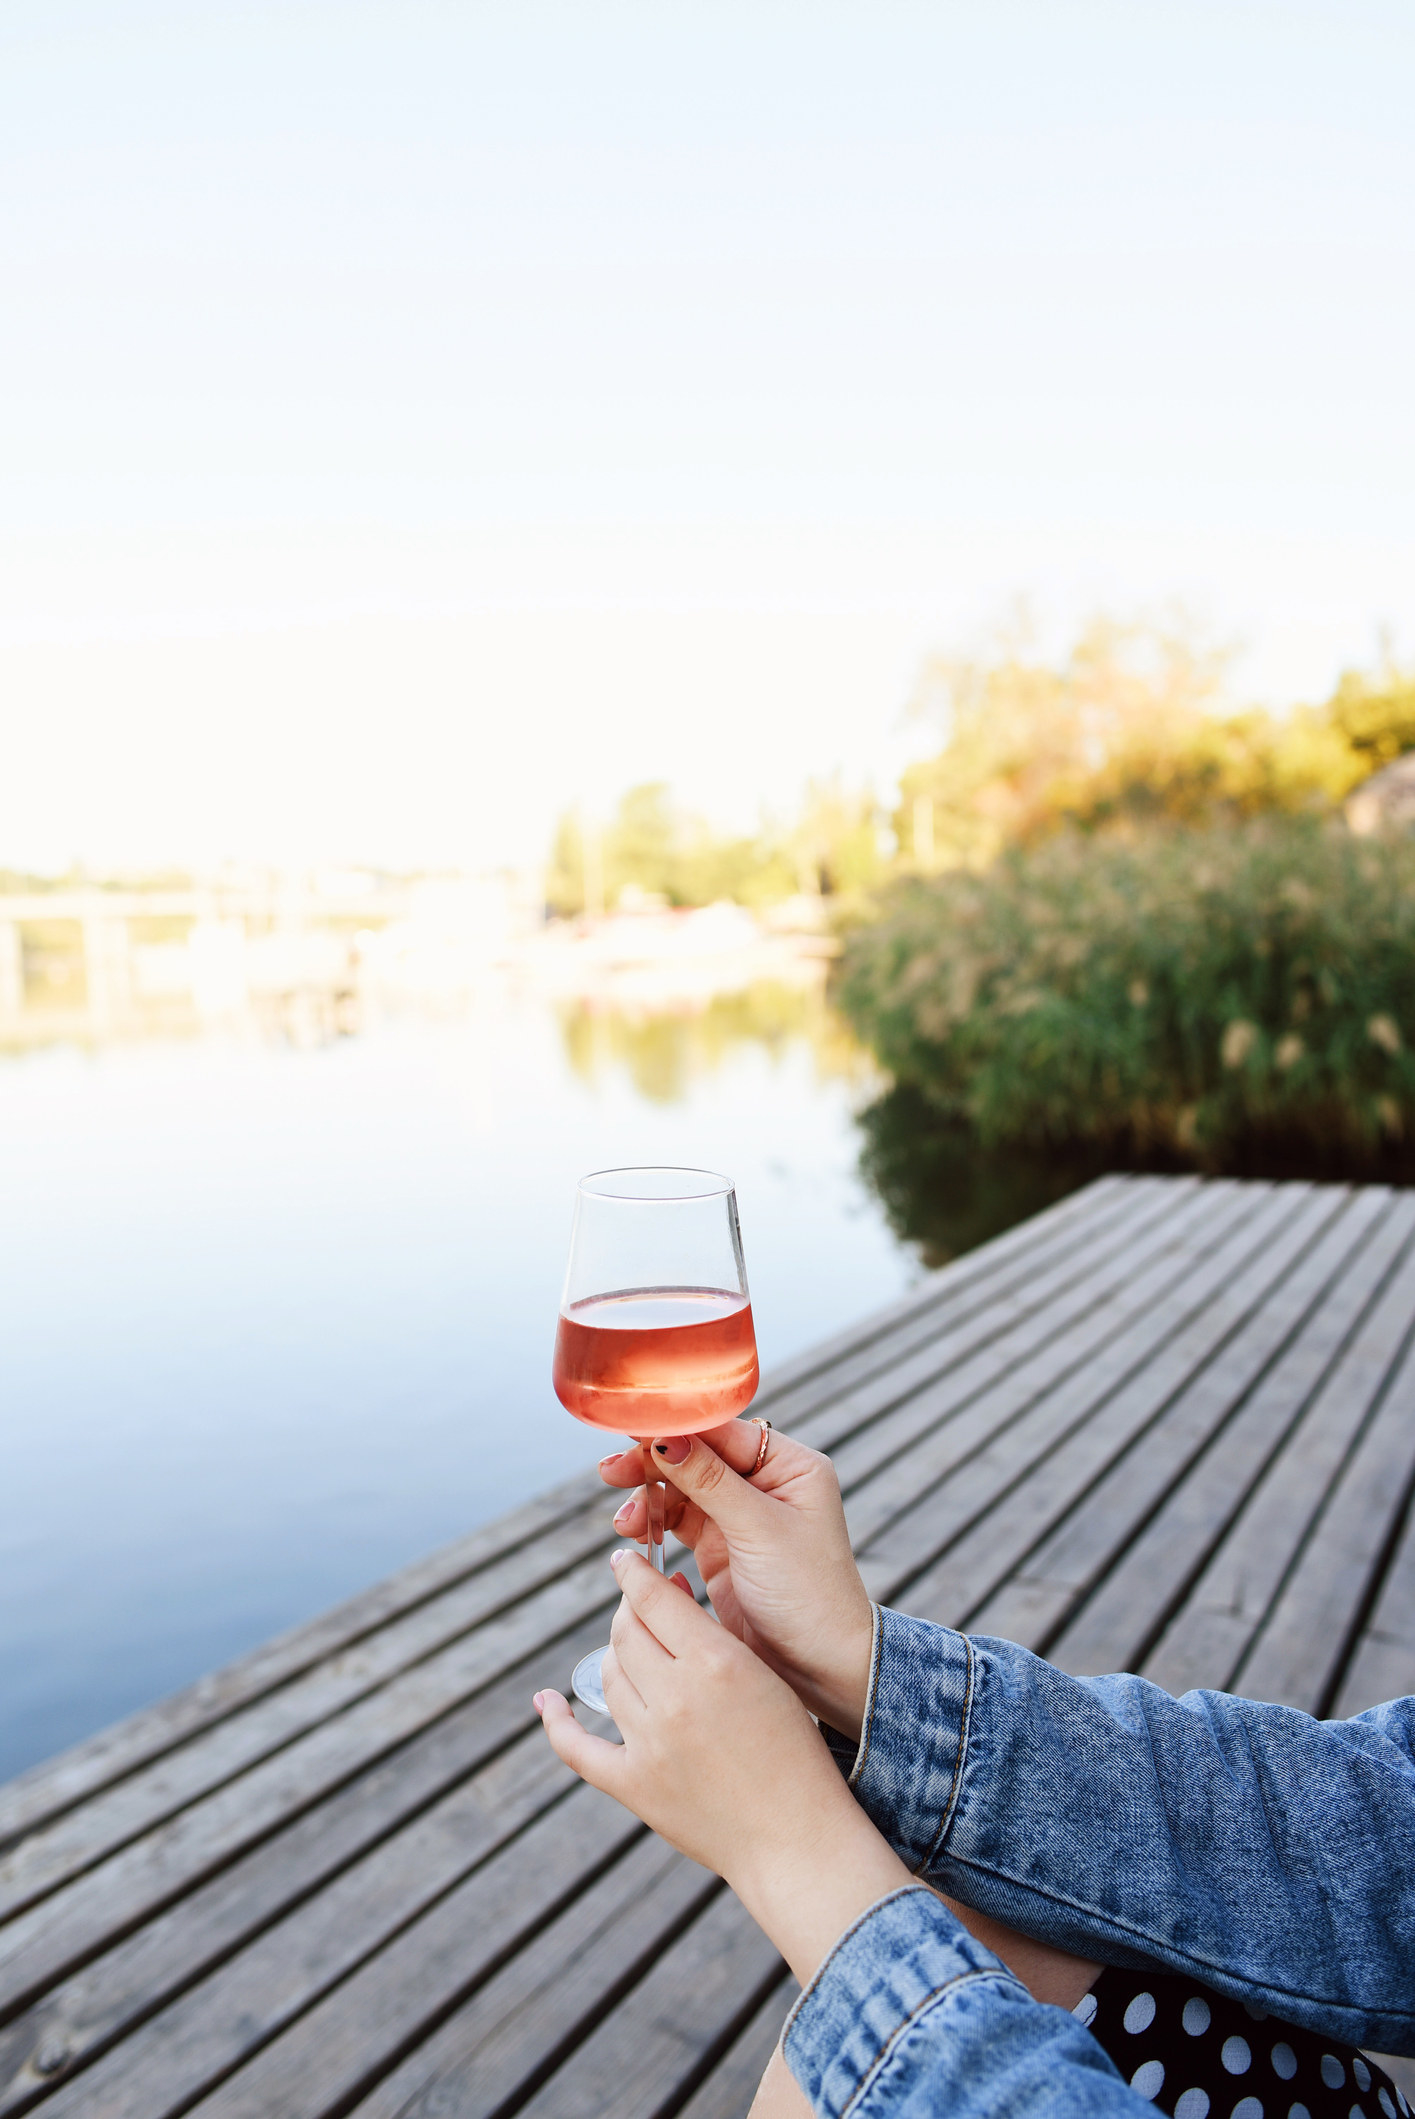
{"points": [[711, 1184]]}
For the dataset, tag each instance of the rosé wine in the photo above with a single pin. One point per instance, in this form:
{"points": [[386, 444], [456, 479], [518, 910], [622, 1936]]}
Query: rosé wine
{"points": [[656, 1361]]}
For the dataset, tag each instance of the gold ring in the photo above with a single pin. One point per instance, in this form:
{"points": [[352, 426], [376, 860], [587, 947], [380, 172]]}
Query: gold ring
{"points": [[765, 1426]]}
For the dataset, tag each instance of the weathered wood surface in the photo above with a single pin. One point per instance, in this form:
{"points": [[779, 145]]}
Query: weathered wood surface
{"points": [[1166, 1426]]}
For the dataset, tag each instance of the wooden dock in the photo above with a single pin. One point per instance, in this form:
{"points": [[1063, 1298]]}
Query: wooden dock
{"points": [[1167, 1426]]}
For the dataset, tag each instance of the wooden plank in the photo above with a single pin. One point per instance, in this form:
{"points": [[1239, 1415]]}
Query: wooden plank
{"points": [[1321, 1300], [213, 2027], [255, 2065], [84, 2015], [729, 2089], [1036, 1298], [818, 1362], [519, 2027], [1401, 2069], [339, 2048], [59, 1933], [989, 1382], [119, 1814], [1383, 1667], [1002, 1385], [877, 1422], [939, 1547], [1035, 1605], [671, 2029], [1326, 1294], [1205, 1642], [57, 1784], [1303, 1645], [1018, 1490], [956, 1304]]}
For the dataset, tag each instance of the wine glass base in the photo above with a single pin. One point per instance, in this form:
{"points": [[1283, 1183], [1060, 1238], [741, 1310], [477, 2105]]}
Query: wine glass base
{"points": [[586, 1682]]}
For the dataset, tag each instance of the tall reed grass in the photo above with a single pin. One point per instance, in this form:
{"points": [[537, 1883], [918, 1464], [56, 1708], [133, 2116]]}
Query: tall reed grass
{"points": [[1214, 997]]}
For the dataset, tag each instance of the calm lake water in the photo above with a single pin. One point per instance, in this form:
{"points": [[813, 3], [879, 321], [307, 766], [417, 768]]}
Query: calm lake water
{"points": [[276, 1321]]}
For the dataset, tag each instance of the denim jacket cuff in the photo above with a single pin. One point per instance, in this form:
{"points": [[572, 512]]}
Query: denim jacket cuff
{"points": [[898, 1958], [907, 1768]]}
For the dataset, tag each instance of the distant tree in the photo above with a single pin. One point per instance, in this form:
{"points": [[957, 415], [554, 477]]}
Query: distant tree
{"points": [[752, 869], [839, 842], [642, 845], [652, 846], [1126, 729], [1375, 714], [565, 871]]}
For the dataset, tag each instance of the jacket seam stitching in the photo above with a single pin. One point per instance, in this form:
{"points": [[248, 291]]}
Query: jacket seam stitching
{"points": [[964, 1730], [899, 1891], [886, 2051], [1196, 1967], [867, 1727]]}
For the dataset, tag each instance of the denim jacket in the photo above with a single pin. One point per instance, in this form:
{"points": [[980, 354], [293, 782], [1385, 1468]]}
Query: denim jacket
{"points": [[1266, 1854]]}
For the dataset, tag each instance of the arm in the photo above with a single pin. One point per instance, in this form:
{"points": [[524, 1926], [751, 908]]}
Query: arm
{"points": [[903, 2012], [1267, 1854], [774, 1554], [908, 2016], [1264, 1853]]}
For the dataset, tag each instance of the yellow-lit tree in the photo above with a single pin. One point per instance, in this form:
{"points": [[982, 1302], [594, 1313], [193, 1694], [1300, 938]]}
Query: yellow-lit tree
{"points": [[1126, 729]]}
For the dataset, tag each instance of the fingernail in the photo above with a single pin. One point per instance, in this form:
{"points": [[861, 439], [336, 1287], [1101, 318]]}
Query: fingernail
{"points": [[612, 1459], [621, 1515], [673, 1449], [538, 1701], [615, 1558]]}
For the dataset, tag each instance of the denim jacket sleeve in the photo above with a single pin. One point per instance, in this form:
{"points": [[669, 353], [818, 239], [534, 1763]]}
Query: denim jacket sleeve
{"points": [[909, 2016], [1270, 1855]]}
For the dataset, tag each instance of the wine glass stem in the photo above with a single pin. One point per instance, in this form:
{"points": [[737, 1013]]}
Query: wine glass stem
{"points": [[654, 1497]]}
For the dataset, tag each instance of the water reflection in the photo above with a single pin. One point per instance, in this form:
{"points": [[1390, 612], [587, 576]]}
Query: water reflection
{"points": [[665, 1052], [940, 1190], [302, 1162], [316, 1275], [306, 959]]}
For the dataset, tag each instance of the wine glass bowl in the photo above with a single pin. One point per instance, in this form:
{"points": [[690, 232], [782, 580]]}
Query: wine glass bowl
{"points": [[655, 1333]]}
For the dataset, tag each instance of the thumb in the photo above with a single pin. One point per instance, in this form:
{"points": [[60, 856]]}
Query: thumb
{"points": [[700, 1473], [592, 1757]]}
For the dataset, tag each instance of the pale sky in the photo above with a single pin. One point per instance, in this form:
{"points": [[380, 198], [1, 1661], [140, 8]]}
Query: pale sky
{"points": [[416, 417]]}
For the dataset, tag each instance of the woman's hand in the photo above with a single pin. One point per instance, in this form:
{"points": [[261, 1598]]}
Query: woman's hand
{"points": [[776, 1559], [720, 1757], [773, 1552]]}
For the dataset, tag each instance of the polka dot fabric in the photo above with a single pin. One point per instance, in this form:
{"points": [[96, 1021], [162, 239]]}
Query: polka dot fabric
{"points": [[1193, 2053]]}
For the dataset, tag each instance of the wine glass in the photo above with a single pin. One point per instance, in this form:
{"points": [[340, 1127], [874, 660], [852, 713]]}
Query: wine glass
{"points": [[655, 1333]]}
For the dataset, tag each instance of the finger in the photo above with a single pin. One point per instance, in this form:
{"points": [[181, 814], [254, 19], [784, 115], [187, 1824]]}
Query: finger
{"points": [[631, 1520], [631, 1517], [677, 1623], [706, 1478], [680, 1581], [736, 1442], [624, 1468], [643, 1659], [622, 1696], [595, 1760]]}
